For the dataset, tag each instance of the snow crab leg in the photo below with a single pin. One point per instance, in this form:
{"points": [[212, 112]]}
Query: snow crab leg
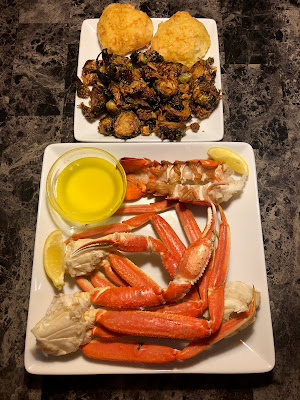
{"points": [[125, 226], [195, 301], [144, 208], [128, 351]]}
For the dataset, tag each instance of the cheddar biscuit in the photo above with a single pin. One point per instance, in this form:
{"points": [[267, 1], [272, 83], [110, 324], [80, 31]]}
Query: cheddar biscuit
{"points": [[122, 29], [181, 39]]}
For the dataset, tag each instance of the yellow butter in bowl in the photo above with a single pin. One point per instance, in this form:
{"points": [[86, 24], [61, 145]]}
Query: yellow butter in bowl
{"points": [[86, 185]]}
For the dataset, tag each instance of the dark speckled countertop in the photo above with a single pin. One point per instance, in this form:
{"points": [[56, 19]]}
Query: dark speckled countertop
{"points": [[260, 78]]}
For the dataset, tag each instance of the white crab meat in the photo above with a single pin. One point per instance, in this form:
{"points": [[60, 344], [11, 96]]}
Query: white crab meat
{"points": [[78, 263], [237, 299], [66, 325]]}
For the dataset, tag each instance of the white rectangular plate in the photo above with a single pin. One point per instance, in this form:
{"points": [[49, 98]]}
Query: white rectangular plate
{"points": [[211, 129], [250, 351]]}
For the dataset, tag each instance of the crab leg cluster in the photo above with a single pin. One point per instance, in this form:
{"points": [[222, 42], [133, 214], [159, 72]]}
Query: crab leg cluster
{"points": [[190, 268], [186, 266], [130, 303], [153, 353]]}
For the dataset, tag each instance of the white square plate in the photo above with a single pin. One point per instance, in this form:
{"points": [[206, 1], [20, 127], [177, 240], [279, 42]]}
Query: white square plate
{"points": [[250, 351], [211, 129]]}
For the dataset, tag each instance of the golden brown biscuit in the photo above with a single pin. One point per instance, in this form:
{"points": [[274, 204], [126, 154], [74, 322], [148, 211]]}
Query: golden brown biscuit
{"points": [[122, 29], [181, 39]]}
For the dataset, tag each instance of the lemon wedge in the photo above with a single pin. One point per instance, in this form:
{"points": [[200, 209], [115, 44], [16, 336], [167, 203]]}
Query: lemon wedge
{"points": [[54, 257], [230, 157]]}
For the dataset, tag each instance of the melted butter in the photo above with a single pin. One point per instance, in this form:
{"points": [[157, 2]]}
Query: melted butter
{"points": [[89, 189]]}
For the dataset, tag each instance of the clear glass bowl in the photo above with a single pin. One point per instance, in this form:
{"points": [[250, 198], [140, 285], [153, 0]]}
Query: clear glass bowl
{"points": [[62, 164]]}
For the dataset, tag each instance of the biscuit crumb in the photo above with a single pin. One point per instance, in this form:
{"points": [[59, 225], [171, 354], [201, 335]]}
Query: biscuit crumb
{"points": [[195, 127]]}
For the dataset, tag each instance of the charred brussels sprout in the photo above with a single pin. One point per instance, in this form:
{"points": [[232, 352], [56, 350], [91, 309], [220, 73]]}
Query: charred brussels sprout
{"points": [[173, 131], [98, 101], [83, 90], [105, 126], [144, 94], [166, 87], [127, 125]]}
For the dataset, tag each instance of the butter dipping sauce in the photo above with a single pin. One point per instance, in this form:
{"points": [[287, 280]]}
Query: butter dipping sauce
{"points": [[86, 185]]}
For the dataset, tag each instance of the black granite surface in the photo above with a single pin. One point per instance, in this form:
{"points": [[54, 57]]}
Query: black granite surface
{"points": [[260, 78]]}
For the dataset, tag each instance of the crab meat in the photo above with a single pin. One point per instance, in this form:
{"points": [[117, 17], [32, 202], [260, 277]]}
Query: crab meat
{"points": [[66, 325], [85, 261], [238, 297]]}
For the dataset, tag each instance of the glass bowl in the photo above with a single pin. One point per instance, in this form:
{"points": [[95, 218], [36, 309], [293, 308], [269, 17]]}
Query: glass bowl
{"points": [[86, 185]]}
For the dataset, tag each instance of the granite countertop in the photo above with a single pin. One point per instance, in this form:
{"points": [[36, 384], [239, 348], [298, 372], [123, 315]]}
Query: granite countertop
{"points": [[260, 73]]}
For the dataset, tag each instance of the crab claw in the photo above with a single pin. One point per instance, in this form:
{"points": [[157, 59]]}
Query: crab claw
{"points": [[193, 262]]}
